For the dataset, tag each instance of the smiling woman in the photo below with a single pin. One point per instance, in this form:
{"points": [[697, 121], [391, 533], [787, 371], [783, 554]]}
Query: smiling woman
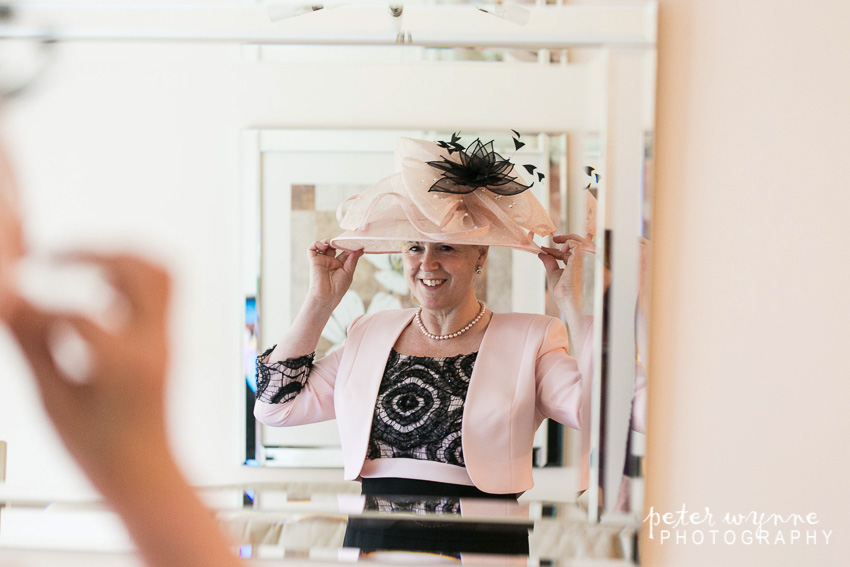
{"points": [[415, 392], [509, 277], [440, 268]]}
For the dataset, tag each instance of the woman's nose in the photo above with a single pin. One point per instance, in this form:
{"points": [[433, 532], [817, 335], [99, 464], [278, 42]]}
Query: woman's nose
{"points": [[429, 260]]}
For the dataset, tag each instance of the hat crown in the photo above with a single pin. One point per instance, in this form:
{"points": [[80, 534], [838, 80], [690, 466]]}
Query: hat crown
{"points": [[407, 206]]}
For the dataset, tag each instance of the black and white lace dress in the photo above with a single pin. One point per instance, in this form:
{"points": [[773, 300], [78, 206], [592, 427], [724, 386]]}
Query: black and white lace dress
{"points": [[418, 412]]}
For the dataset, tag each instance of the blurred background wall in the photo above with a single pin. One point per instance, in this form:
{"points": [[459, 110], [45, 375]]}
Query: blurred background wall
{"points": [[749, 377]]}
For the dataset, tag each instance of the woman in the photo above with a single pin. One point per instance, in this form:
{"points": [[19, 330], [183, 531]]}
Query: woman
{"points": [[443, 399]]}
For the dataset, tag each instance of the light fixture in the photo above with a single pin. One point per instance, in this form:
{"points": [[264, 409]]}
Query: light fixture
{"points": [[397, 15], [510, 12], [287, 10]]}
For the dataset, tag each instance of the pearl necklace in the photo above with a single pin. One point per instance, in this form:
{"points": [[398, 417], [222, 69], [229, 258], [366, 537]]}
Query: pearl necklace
{"points": [[450, 335]]}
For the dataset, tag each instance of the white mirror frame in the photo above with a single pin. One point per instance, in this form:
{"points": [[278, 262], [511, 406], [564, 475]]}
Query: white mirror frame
{"points": [[624, 32]]}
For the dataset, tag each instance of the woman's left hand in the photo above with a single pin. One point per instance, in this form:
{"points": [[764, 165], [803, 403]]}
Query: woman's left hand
{"points": [[566, 283]]}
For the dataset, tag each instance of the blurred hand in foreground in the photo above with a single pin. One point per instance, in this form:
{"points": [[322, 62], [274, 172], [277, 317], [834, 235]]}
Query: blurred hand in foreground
{"points": [[110, 412]]}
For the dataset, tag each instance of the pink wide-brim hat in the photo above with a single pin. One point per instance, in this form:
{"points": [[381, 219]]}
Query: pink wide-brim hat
{"points": [[399, 208]]}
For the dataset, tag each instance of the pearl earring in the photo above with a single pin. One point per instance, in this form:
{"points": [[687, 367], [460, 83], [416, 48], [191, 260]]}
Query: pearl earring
{"points": [[478, 270]]}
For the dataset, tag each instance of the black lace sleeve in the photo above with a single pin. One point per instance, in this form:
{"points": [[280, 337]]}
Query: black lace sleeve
{"points": [[280, 382]]}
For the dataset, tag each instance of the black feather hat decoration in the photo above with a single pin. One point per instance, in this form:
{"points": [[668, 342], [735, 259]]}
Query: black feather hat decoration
{"points": [[592, 181], [476, 166]]}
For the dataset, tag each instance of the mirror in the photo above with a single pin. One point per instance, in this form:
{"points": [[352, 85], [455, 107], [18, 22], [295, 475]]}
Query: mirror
{"points": [[587, 126], [576, 80]]}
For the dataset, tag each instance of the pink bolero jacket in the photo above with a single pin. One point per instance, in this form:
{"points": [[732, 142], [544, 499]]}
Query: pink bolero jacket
{"points": [[522, 374]]}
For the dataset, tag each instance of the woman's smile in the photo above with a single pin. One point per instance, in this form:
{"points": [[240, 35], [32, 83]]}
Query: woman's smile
{"points": [[432, 283], [441, 275]]}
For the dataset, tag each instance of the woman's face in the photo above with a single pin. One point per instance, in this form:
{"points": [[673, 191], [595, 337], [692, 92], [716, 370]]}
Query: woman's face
{"points": [[441, 275]]}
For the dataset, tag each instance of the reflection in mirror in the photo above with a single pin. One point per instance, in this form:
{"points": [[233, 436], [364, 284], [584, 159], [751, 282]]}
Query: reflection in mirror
{"points": [[436, 396], [302, 183], [305, 175], [580, 95], [296, 185]]}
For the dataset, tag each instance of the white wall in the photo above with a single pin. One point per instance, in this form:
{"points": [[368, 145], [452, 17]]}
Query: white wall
{"points": [[749, 377], [122, 147]]}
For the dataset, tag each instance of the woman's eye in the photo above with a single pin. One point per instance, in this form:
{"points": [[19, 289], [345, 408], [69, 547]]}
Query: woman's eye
{"points": [[446, 248]]}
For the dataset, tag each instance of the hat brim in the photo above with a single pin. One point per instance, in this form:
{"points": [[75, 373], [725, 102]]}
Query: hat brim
{"points": [[354, 241]]}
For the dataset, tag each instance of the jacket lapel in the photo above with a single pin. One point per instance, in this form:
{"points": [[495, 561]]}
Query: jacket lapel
{"points": [[369, 347], [490, 403]]}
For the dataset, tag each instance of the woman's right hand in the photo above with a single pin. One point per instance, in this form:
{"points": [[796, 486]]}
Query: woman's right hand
{"points": [[331, 271]]}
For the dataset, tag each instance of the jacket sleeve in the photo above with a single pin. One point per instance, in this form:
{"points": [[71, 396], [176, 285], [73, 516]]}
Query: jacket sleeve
{"points": [[585, 364], [312, 403], [559, 382]]}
